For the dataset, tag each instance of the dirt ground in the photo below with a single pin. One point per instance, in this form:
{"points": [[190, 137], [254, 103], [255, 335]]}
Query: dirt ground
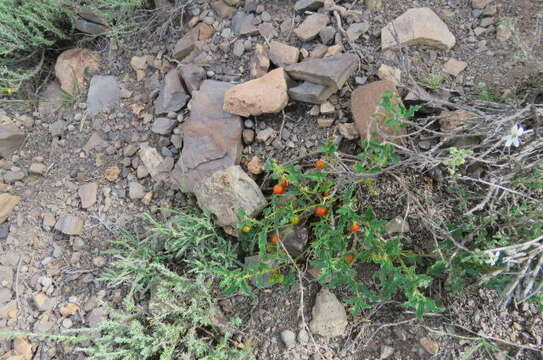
{"points": [[35, 259]]}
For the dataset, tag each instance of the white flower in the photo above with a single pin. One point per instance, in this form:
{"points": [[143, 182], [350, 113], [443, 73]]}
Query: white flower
{"points": [[513, 139]]}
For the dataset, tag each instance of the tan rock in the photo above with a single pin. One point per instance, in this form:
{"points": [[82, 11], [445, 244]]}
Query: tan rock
{"points": [[37, 169], [70, 225], [333, 50], [450, 120], [88, 194], [267, 94], [368, 116], [429, 345], [282, 54], [222, 9], [327, 108], [329, 318], [260, 62], [454, 67], [71, 66], [8, 202], [255, 165], [69, 309], [390, 73], [112, 173], [22, 348], [348, 131], [311, 26], [417, 26]]}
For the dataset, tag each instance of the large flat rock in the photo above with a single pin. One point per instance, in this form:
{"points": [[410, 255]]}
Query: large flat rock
{"points": [[328, 71], [211, 137], [417, 26], [227, 192]]}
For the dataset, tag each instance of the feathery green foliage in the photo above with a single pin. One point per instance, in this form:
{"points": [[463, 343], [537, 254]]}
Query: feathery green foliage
{"points": [[29, 27]]}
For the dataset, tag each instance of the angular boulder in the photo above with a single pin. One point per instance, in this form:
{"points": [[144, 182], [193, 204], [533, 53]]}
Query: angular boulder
{"points": [[227, 192], [329, 71], [71, 66], [211, 137], [192, 40], [260, 62], [172, 95], [417, 26], [368, 116], [11, 140], [265, 95], [158, 167], [329, 315]]}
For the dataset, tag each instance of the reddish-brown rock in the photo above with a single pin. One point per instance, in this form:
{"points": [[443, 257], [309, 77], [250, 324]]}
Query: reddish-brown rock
{"points": [[267, 94], [71, 66], [368, 116], [211, 137], [172, 95]]}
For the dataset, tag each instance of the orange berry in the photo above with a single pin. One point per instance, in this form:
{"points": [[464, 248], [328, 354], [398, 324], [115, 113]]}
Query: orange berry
{"points": [[284, 182], [320, 164], [354, 227], [276, 272], [275, 239], [278, 189], [349, 258], [320, 211]]}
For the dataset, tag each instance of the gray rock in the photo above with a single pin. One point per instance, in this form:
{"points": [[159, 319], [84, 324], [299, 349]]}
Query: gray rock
{"points": [[88, 194], [6, 276], [239, 48], [11, 139], [260, 280], [136, 190], [13, 175], [193, 76], [311, 93], [265, 134], [260, 62], [244, 24], [303, 337], [211, 137], [95, 317], [57, 128], [294, 239], [225, 193], [396, 226], [303, 5], [327, 34], [328, 71], [329, 316], [163, 126], [70, 225], [104, 91], [311, 26], [89, 27], [356, 30], [288, 338], [172, 95]]}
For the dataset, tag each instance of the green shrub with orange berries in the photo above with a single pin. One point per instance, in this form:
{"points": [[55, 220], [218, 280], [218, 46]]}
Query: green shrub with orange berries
{"points": [[343, 238]]}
